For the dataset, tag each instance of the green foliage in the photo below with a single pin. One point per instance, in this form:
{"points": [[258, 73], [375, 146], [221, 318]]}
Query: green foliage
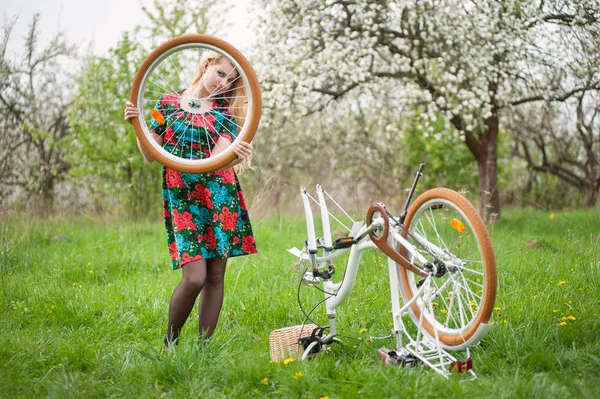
{"points": [[448, 162], [171, 18], [84, 307], [103, 150]]}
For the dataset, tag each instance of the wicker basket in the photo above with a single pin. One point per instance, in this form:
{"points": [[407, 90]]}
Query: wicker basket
{"points": [[284, 341]]}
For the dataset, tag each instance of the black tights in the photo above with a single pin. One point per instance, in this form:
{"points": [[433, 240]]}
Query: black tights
{"points": [[206, 275]]}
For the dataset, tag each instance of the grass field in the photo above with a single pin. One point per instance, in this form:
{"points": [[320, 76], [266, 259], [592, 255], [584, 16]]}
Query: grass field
{"points": [[84, 309]]}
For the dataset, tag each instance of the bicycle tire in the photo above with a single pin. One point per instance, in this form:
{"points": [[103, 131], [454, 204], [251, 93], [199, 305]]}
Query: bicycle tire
{"points": [[441, 204], [246, 73]]}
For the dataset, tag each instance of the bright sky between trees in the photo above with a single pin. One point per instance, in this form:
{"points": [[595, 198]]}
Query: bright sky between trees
{"points": [[98, 25]]}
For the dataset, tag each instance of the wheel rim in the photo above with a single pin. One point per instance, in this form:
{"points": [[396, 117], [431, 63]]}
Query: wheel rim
{"points": [[168, 71], [463, 302]]}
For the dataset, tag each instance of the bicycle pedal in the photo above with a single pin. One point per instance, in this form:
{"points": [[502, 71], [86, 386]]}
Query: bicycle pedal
{"points": [[461, 366], [397, 358], [343, 243]]}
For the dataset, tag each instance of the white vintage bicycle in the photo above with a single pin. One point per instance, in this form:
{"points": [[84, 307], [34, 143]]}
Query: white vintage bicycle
{"points": [[442, 274]]}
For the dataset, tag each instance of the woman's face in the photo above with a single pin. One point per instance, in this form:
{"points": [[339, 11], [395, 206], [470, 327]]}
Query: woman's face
{"points": [[218, 78]]}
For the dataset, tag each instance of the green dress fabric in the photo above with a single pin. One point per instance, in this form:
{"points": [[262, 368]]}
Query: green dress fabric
{"points": [[205, 214]]}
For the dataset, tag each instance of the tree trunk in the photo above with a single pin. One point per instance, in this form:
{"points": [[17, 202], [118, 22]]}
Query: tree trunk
{"points": [[487, 165], [591, 196], [484, 146]]}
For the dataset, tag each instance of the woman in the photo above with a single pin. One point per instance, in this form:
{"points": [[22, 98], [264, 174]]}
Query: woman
{"points": [[205, 214]]}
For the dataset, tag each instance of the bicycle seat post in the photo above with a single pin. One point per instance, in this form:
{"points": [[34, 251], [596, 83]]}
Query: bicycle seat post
{"points": [[412, 192]]}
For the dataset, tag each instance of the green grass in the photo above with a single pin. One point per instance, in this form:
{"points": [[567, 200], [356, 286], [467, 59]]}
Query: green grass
{"points": [[84, 302]]}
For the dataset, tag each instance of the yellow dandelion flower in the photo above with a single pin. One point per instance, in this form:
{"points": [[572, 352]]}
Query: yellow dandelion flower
{"points": [[25, 310], [52, 307], [434, 303], [443, 311], [571, 317], [91, 272], [563, 323], [552, 216], [564, 318], [368, 341], [298, 374], [288, 361], [497, 309], [243, 308], [562, 283], [324, 397], [265, 381], [555, 311], [363, 330]]}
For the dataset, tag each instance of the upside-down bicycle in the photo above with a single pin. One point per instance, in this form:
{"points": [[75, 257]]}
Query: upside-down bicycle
{"points": [[441, 264]]}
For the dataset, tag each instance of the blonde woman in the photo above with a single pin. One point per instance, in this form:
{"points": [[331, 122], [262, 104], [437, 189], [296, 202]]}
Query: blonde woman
{"points": [[206, 218]]}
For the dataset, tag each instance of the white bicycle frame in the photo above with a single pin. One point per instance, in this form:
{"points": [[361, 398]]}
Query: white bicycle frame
{"points": [[425, 346]]}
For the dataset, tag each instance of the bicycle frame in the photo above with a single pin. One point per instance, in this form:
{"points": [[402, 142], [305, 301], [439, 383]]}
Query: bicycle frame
{"points": [[425, 346]]}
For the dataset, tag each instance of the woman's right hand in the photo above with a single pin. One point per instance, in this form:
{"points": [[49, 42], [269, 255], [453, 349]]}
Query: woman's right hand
{"points": [[130, 111]]}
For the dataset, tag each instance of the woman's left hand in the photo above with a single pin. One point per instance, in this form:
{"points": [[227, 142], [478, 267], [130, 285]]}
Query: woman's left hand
{"points": [[242, 149]]}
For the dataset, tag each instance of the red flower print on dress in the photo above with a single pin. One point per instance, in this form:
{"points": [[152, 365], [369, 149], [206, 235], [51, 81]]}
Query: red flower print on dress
{"points": [[236, 239], [248, 244], [203, 194], [169, 137], [228, 219], [242, 200], [205, 121], [199, 237], [227, 175], [166, 213], [170, 99], [183, 221], [174, 179], [173, 250], [187, 258], [209, 238]]}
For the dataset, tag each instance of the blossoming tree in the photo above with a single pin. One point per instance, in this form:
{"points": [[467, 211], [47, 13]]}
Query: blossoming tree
{"points": [[467, 61]]}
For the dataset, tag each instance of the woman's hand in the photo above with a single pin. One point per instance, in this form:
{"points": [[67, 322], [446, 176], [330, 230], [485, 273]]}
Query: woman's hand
{"points": [[242, 149], [130, 111]]}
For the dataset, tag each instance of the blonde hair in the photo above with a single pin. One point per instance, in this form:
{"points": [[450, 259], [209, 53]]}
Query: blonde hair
{"points": [[237, 91], [237, 107]]}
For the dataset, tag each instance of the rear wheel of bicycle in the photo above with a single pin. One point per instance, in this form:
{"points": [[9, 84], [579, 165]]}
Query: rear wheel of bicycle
{"points": [[450, 234], [186, 122]]}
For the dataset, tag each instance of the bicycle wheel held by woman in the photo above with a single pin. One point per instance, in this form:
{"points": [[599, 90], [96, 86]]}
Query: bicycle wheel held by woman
{"points": [[205, 214], [186, 115], [451, 235]]}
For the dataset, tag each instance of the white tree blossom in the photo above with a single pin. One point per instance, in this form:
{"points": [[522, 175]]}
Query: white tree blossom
{"points": [[463, 59]]}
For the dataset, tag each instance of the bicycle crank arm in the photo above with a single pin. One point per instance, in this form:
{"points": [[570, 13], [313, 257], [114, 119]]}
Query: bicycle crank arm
{"points": [[381, 241]]}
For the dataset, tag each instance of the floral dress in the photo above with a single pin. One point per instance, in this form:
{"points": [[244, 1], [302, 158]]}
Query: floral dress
{"points": [[205, 214]]}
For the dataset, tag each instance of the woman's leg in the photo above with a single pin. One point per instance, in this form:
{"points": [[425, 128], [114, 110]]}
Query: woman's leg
{"points": [[211, 299], [184, 297]]}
